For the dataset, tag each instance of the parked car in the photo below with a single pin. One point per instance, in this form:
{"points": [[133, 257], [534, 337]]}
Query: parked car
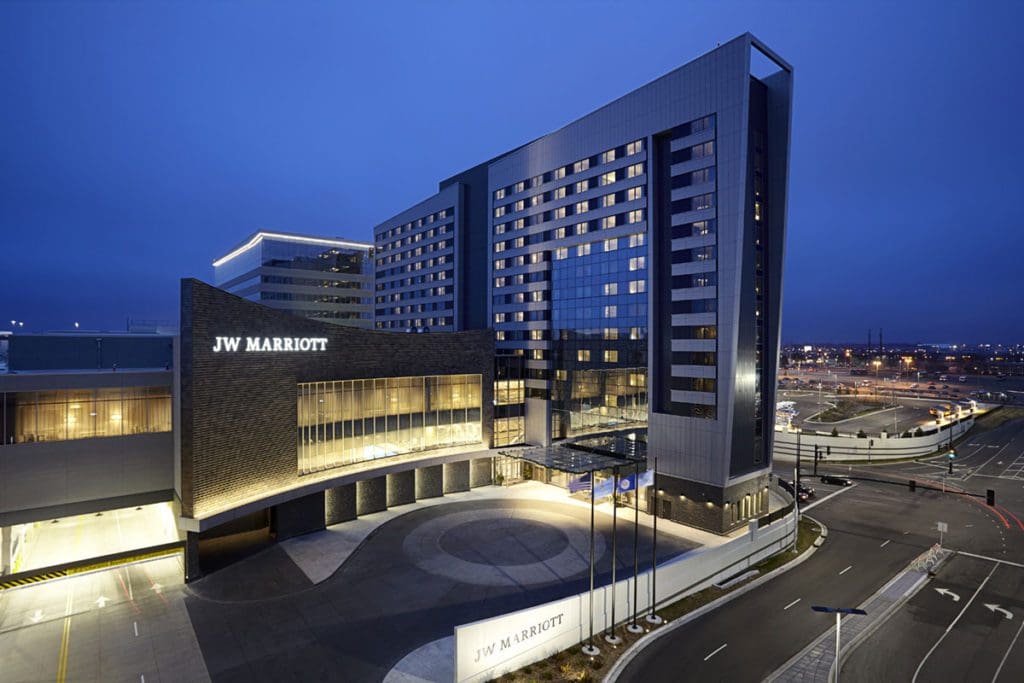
{"points": [[835, 481], [805, 490]]}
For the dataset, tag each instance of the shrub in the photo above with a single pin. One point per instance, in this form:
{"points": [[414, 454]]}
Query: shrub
{"points": [[861, 435], [835, 432], [919, 432]]}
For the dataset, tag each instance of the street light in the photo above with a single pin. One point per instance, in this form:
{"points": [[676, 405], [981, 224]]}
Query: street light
{"points": [[877, 363], [839, 612]]}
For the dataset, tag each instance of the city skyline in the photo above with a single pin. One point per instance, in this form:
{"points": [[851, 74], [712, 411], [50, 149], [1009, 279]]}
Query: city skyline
{"points": [[104, 161]]}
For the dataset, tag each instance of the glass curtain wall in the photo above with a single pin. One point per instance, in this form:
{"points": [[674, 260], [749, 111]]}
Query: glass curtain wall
{"points": [[85, 413], [351, 421]]}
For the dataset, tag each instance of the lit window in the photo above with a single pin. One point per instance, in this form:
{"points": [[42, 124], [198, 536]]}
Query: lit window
{"points": [[636, 239], [582, 207], [583, 355], [561, 253], [499, 194], [609, 222], [499, 264], [499, 212], [583, 249], [611, 333], [558, 233], [608, 200], [559, 173], [500, 335], [611, 288], [581, 166], [498, 317], [611, 356], [636, 215], [611, 245], [519, 224], [636, 263], [561, 375], [499, 229], [499, 247], [581, 228], [634, 147], [635, 170], [559, 213], [520, 186], [519, 205], [518, 316], [499, 282], [634, 193], [519, 242], [582, 186], [611, 311], [537, 257], [559, 192], [536, 335], [536, 200], [608, 156], [637, 286], [634, 333]]}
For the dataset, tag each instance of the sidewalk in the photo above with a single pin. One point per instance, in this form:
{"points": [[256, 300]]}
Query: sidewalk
{"points": [[320, 554], [816, 661]]}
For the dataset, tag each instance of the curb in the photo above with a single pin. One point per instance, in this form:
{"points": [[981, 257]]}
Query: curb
{"points": [[630, 654]]}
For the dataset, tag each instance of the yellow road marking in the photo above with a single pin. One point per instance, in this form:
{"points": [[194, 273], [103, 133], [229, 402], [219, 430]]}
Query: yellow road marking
{"points": [[62, 660]]}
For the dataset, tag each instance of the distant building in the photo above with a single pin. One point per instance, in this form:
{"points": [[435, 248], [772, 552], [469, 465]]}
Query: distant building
{"points": [[326, 279]]}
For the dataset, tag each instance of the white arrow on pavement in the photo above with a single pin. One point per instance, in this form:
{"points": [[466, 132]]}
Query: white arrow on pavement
{"points": [[36, 616], [997, 608], [157, 587], [101, 601], [946, 591]]}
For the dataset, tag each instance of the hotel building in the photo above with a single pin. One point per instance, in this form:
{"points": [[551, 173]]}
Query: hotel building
{"points": [[316, 277]]}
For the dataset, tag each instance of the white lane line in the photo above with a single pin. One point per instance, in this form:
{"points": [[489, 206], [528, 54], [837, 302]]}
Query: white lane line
{"points": [[1012, 643], [724, 645], [807, 508], [135, 625], [791, 604], [986, 463], [887, 542], [952, 624], [990, 559], [846, 570]]}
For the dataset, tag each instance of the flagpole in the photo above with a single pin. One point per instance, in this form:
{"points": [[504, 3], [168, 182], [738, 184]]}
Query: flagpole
{"points": [[611, 638], [633, 626], [590, 649], [653, 618]]}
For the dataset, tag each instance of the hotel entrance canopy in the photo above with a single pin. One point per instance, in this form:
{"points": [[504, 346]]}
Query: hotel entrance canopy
{"points": [[603, 452]]}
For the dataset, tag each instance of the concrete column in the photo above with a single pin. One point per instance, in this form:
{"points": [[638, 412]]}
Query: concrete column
{"points": [[6, 541], [480, 472], [340, 504], [192, 570], [371, 495], [401, 488], [297, 517], [456, 476], [430, 482]]}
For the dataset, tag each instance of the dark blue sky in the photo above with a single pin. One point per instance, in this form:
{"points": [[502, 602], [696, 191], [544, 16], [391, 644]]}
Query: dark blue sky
{"points": [[140, 140]]}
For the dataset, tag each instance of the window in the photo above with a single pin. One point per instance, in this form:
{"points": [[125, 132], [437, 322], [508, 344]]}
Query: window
{"points": [[499, 264], [609, 222], [636, 263], [536, 354], [581, 166], [611, 245], [499, 194], [519, 224], [634, 147], [637, 286], [560, 192], [519, 242], [611, 333], [498, 317], [536, 335], [611, 311], [635, 170], [536, 200], [636, 239], [561, 253], [537, 295], [537, 257], [558, 233], [581, 228], [582, 186], [636, 216], [583, 249], [611, 356], [582, 207], [559, 173], [499, 211], [559, 212], [519, 205], [634, 193], [608, 156], [499, 247], [634, 333], [520, 186], [583, 355], [611, 288], [608, 200], [607, 178]]}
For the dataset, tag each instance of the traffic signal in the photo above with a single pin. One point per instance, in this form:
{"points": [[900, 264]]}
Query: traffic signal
{"points": [[990, 497], [952, 454]]}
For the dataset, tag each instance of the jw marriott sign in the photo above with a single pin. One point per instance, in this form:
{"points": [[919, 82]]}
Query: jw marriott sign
{"points": [[268, 344]]}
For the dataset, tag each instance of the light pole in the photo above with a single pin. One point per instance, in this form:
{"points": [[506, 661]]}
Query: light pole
{"points": [[610, 636], [653, 618], [590, 649], [633, 626], [796, 489], [839, 612]]}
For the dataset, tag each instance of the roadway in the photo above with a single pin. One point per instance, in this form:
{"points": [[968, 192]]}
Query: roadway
{"points": [[875, 530]]}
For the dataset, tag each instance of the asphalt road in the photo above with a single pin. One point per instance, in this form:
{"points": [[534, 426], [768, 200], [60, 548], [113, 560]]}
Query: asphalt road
{"points": [[875, 530]]}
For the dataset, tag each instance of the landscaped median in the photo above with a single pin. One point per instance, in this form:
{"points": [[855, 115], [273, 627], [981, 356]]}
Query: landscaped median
{"points": [[573, 665]]}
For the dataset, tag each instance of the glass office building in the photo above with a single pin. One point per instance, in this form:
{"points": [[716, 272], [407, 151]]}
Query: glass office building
{"points": [[326, 279]]}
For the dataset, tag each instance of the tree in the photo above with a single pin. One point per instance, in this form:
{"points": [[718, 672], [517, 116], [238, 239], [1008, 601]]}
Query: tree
{"points": [[861, 435], [835, 432]]}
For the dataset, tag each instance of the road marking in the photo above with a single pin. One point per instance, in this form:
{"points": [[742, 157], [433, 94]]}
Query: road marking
{"points": [[791, 604], [887, 542], [946, 591], [846, 570], [1006, 656], [135, 625], [62, 657], [990, 559], [951, 625], [101, 602], [996, 608], [724, 645], [990, 459], [36, 616], [807, 508]]}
